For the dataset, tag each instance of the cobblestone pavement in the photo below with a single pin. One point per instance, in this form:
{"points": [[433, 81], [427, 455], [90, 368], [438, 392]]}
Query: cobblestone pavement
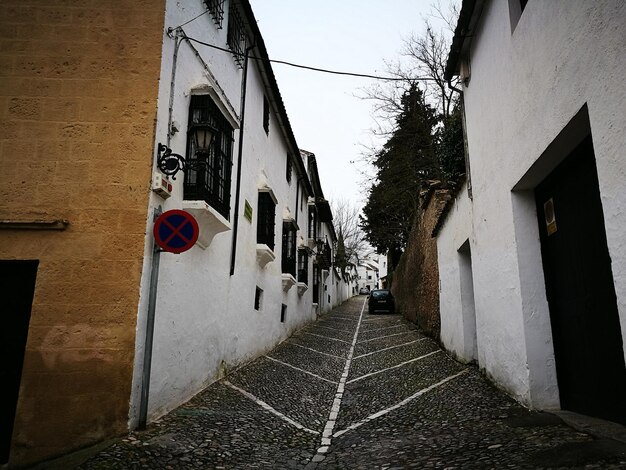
{"points": [[357, 391]]}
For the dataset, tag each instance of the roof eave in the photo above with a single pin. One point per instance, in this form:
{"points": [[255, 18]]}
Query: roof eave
{"points": [[468, 17], [266, 70]]}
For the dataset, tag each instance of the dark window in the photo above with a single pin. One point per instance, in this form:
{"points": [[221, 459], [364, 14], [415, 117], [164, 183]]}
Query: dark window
{"points": [[324, 258], [381, 294], [216, 8], [522, 4], [303, 266], [266, 220], [236, 34], [258, 294], [312, 222], [316, 283], [266, 115], [209, 182], [289, 249], [289, 169], [283, 313]]}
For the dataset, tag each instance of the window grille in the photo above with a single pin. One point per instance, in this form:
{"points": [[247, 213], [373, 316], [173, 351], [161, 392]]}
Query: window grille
{"points": [[289, 169], [236, 34], [216, 8], [316, 284], [210, 182], [303, 266], [325, 257], [289, 249], [266, 115], [266, 220]]}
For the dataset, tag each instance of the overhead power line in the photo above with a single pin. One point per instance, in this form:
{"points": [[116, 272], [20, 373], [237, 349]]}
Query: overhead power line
{"points": [[192, 19], [291, 64]]}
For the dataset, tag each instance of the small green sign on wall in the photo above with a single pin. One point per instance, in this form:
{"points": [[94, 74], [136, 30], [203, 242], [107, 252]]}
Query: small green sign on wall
{"points": [[247, 211]]}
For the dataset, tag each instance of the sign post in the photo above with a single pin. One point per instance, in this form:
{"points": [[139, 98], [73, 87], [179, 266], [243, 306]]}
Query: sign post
{"points": [[175, 231]]}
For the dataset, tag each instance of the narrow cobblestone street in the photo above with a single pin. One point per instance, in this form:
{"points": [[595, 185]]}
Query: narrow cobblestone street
{"points": [[357, 391]]}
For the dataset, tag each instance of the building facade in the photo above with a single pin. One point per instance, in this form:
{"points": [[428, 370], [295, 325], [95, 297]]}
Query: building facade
{"points": [[236, 292], [368, 272], [532, 255], [321, 239], [118, 114], [78, 92]]}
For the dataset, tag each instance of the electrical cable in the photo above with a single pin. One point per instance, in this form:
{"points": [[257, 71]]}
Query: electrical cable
{"points": [[315, 69], [192, 19]]}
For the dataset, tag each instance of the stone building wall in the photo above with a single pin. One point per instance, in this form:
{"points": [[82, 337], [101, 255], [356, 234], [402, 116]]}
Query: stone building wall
{"points": [[78, 92], [415, 280]]}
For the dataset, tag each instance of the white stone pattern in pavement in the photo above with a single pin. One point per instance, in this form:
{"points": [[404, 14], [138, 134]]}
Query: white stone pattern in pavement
{"points": [[385, 336], [407, 400], [334, 411], [264, 405], [390, 347], [301, 370], [394, 367], [314, 350], [327, 433], [327, 337]]}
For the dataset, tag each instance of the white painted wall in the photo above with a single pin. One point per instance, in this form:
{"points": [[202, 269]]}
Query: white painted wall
{"points": [[347, 285], [328, 287], [382, 265], [206, 323], [456, 334], [525, 87], [368, 273]]}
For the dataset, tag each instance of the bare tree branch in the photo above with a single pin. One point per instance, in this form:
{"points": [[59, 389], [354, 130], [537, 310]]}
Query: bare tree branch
{"points": [[346, 222]]}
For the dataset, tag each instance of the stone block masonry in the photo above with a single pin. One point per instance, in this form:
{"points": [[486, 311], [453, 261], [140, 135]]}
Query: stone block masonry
{"points": [[78, 97], [415, 282]]}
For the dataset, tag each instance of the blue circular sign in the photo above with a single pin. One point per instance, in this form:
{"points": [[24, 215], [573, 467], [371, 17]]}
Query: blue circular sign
{"points": [[176, 231]]}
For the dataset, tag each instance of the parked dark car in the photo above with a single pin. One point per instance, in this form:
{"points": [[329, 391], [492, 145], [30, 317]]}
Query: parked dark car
{"points": [[381, 300]]}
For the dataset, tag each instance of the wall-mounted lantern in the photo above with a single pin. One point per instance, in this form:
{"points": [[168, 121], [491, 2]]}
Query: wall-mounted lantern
{"points": [[202, 136]]}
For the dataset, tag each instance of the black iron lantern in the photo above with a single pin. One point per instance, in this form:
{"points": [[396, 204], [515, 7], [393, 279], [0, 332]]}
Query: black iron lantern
{"points": [[202, 136]]}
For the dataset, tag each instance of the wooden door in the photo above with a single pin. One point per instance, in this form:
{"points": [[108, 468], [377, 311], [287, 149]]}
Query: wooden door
{"points": [[17, 287], [579, 285]]}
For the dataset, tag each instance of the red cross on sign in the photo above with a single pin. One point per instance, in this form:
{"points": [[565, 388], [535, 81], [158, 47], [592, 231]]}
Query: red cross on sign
{"points": [[176, 231]]}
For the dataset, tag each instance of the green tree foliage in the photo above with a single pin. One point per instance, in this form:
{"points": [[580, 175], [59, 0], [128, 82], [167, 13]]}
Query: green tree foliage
{"points": [[422, 119], [341, 258], [405, 161], [450, 150]]}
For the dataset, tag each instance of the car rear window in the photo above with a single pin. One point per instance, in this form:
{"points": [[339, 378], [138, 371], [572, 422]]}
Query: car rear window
{"points": [[380, 294]]}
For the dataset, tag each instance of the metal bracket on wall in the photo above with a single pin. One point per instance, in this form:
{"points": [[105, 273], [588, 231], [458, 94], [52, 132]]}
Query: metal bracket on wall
{"points": [[53, 224]]}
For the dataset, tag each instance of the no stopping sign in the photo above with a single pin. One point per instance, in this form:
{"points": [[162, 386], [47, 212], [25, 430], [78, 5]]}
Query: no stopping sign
{"points": [[176, 231]]}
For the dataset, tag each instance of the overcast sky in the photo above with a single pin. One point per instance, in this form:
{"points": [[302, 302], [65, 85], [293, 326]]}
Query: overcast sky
{"points": [[346, 35]]}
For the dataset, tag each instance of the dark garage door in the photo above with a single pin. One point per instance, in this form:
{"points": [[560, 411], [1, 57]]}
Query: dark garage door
{"points": [[579, 285]]}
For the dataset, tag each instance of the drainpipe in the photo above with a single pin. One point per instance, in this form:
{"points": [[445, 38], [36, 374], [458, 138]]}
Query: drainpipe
{"points": [[244, 81], [465, 145], [147, 349], [297, 206], [154, 272]]}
